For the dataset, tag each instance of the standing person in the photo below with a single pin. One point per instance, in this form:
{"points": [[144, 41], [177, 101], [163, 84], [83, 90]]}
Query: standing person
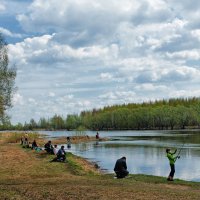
{"points": [[68, 142], [97, 136], [61, 155], [26, 142], [22, 140], [172, 160], [121, 168]]}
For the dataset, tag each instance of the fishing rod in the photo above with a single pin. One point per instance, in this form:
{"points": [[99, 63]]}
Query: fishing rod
{"points": [[181, 149], [178, 155]]}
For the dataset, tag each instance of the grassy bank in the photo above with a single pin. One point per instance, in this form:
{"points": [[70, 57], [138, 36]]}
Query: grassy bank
{"points": [[27, 174]]}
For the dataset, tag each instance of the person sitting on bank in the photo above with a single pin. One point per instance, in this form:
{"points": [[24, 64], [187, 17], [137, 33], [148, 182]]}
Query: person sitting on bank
{"points": [[55, 149], [121, 168], [172, 160], [48, 147], [34, 145], [61, 155]]}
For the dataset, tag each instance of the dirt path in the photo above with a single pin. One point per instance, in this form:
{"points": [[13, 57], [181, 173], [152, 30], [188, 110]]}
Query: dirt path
{"points": [[25, 174]]}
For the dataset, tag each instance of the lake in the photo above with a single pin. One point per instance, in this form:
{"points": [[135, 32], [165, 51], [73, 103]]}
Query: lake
{"points": [[144, 150]]}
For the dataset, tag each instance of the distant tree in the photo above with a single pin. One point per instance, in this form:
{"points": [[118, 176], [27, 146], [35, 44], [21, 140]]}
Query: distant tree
{"points": [[44, 124], [73, 122], [7, 78], [32, 124], [57, 122], [19, 126]]}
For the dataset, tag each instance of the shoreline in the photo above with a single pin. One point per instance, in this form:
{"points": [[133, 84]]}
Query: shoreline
{"points": [[27, 174], [42, 139]]}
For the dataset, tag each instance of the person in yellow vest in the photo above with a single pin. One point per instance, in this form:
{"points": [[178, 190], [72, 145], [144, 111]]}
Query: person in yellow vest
{"points": [[172, 159]]}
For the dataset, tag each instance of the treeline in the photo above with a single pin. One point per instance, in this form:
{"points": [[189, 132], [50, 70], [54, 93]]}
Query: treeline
{"points": [[165, 114], [57, 122]]}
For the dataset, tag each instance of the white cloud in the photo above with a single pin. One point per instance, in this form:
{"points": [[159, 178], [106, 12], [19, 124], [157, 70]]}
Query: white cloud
{"points": [[184, 93], [17, 99], [52, 94], [193, 54], [2, 7], [45, 50], [9, 33], [150, 87], [196, 33], [106, 76], [32, 101]]}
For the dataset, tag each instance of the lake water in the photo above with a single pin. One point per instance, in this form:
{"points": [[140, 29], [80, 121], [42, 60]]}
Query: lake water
{"points": [[144, 150]]}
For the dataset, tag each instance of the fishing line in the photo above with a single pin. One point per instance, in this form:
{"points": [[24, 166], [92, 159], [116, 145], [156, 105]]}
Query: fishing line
{"points": [[180, 149]]}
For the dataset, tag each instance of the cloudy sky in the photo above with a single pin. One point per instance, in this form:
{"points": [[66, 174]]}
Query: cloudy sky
{"points": [[74, 55]]}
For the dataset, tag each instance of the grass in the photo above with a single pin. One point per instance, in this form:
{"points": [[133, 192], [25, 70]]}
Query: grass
{"points": [[27, 174], [15, 137]]}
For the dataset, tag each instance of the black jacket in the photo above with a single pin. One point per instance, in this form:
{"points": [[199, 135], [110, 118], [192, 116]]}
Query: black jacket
{"points": [[120, 165]]}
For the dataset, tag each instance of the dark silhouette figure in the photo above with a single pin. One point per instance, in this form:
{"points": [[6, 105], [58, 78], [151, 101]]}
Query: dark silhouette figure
{"points": [[97, 136], [121, 168], [34, 145], [48, 147]]}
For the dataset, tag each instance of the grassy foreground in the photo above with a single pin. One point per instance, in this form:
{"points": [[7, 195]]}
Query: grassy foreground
{"points": [[26, 174]]}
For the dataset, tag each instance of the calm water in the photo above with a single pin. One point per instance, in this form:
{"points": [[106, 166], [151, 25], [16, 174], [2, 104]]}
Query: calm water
{"points": [[144, 150]]}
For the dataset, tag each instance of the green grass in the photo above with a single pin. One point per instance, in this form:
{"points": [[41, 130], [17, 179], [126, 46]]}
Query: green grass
{"points": [[15, 137], [75, 167]]}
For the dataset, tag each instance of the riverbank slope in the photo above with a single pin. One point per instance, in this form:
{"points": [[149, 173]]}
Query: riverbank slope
{"points": [[27, 174]]}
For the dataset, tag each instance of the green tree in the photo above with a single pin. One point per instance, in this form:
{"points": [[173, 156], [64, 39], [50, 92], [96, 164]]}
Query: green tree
{"points": [[57, 122], [7, 78], [73, 122], [32, 124]]}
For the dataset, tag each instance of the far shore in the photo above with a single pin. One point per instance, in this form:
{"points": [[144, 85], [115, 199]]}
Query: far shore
{"points": [[110, 129]]}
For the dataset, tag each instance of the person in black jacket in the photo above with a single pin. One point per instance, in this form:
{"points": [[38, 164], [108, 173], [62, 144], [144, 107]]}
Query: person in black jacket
{"points": [[48, 147], [61, 155], [121, 168], [34, 145]]}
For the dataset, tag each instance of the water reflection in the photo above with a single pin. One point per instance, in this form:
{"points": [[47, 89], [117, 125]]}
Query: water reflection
{"points": [[145, 151]]}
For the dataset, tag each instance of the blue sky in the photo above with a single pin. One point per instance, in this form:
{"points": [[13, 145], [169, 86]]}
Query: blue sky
{"points": [[74, 55]]}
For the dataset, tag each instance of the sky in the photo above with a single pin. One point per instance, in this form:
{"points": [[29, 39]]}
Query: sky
{"points": [[75, 55]]}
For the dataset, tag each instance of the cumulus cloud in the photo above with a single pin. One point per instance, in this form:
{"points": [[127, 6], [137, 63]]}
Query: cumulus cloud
{"points": [[6, 32], [45, 49]]}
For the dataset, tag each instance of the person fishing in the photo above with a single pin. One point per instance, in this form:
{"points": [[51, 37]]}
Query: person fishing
{"points": [[97, 136], [172, 160]]}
